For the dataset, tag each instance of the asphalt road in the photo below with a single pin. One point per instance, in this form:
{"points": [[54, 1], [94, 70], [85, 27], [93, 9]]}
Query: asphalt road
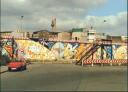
{"points": [[66, 77]]}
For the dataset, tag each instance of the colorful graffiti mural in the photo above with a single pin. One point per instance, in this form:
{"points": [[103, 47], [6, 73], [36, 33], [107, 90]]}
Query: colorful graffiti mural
{"points": [[29, 49], [34, 50], [121, 52]]}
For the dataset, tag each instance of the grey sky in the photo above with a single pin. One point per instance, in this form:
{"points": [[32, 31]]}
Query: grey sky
{"points": [[69, 13]]}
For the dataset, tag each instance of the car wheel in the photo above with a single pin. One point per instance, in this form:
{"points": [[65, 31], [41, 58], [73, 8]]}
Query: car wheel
{"points": [[22, 68], [25, 67]]}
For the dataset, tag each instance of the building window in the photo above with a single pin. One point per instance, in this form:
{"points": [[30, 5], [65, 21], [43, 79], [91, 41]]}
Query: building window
{"points": [[91, 33]]}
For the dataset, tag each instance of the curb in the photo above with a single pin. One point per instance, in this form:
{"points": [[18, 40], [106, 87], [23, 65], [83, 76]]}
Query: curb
{"points": [[3, 69]]}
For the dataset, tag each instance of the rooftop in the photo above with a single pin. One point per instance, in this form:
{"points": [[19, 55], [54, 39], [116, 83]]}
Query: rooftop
{"points": [[6, 32]]}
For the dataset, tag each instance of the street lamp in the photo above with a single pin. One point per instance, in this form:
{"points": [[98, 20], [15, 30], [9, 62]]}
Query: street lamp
{"points": [[21, 23], [0, 47], [13, 48]]}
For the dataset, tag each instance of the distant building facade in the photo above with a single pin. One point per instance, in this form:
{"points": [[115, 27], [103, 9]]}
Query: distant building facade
{"points": [[115, 39], [41, 34], [124, 38], [21, 34], [101, 36], [16, 34], [87, 35], [79, 34], [6, 34], [53, 35], [91, 35], [45, 34], [64, 36]]}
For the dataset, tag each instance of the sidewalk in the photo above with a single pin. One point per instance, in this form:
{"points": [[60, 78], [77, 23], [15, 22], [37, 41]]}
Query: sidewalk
{"points": [[3, 69]]}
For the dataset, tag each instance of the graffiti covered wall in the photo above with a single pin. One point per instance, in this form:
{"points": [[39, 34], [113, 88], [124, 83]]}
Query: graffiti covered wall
{"points": [[29, 49]]}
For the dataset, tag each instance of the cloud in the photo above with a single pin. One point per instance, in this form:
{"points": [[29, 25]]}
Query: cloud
{"points": [[69, 13], [41, 11], [48, 7], [114, 25]]}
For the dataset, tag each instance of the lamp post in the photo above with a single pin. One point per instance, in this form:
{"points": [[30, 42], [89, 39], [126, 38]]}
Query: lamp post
{"points": [[12, 48], [21, 28], [0, 47], [102, 47]]}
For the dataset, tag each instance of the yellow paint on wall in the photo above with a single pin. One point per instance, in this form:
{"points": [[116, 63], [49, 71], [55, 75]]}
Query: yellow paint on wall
{"points": [[121, 53], [80, 50], [35, 51]]}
